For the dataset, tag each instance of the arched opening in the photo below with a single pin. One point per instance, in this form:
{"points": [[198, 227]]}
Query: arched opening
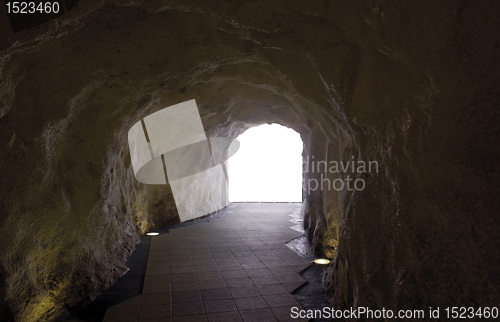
{"points": [[267, 167]]}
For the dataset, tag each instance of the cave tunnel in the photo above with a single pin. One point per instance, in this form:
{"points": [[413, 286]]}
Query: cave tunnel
{"points": [[396, 104]]}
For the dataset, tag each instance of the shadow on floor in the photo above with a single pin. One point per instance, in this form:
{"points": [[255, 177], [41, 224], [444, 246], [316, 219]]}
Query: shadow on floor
{"points": [[125, 288]]}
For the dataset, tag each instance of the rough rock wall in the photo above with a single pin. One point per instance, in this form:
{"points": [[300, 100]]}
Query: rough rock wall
{"points": [[411, 85], [425, 230]]}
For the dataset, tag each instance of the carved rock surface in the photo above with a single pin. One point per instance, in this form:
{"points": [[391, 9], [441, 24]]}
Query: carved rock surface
{"points": [[411, 85]]}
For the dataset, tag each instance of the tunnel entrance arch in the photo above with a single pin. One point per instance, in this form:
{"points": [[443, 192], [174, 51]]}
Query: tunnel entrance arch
{"points": [[267, 167]]}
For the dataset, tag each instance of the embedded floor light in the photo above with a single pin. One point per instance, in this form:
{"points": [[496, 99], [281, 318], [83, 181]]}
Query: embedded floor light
{"points": [[321, 261], [153, 233]]}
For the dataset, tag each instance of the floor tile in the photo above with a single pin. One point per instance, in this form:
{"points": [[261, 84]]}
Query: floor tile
{"points": [[183, 262], [252, 265], [183, 277], [218, 306], [190, 318], [155, 299], [222, 249], [242, 254], [154, 312], [164, 264], [237, 273], [276, 300], [250, 303], [211, 283], [158, 271], [245, 291], [203, 262], [274, 263], [159, 246], [206, 268], [224, 317], [223, 255], [191, 308], [270, 289], [258, 272], [292, 286], [209, 275], [259, 315], [186, 297], [248, 259], [157, 279], [238, 281], [284, 314], [177, 251], [225, 261], [203, 255], [263, 280], [155, 288], [159, 258], [259, 246], [181, 269], [216, 294], [282, 270], [184, 286], [156, 320], [229, 266], [288, 278], [299, 268]]}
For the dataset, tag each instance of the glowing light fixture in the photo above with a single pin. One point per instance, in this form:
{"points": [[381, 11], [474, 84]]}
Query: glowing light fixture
{"points": [[153, 233], [321, 261]]}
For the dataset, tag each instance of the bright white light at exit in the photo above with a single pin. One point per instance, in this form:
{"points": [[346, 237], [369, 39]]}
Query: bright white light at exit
{"points": [[267, 167]]}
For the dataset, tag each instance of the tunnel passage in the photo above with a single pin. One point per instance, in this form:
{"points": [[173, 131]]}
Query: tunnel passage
{"points": [[268, 166], [413, 86]]}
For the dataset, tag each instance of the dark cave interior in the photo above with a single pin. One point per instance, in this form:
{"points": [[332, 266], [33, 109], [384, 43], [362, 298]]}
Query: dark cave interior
{"points": [[412, 85]]}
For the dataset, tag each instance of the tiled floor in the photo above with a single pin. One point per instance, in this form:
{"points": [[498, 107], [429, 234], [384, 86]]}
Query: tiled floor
{"points": [[232, 268]]}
